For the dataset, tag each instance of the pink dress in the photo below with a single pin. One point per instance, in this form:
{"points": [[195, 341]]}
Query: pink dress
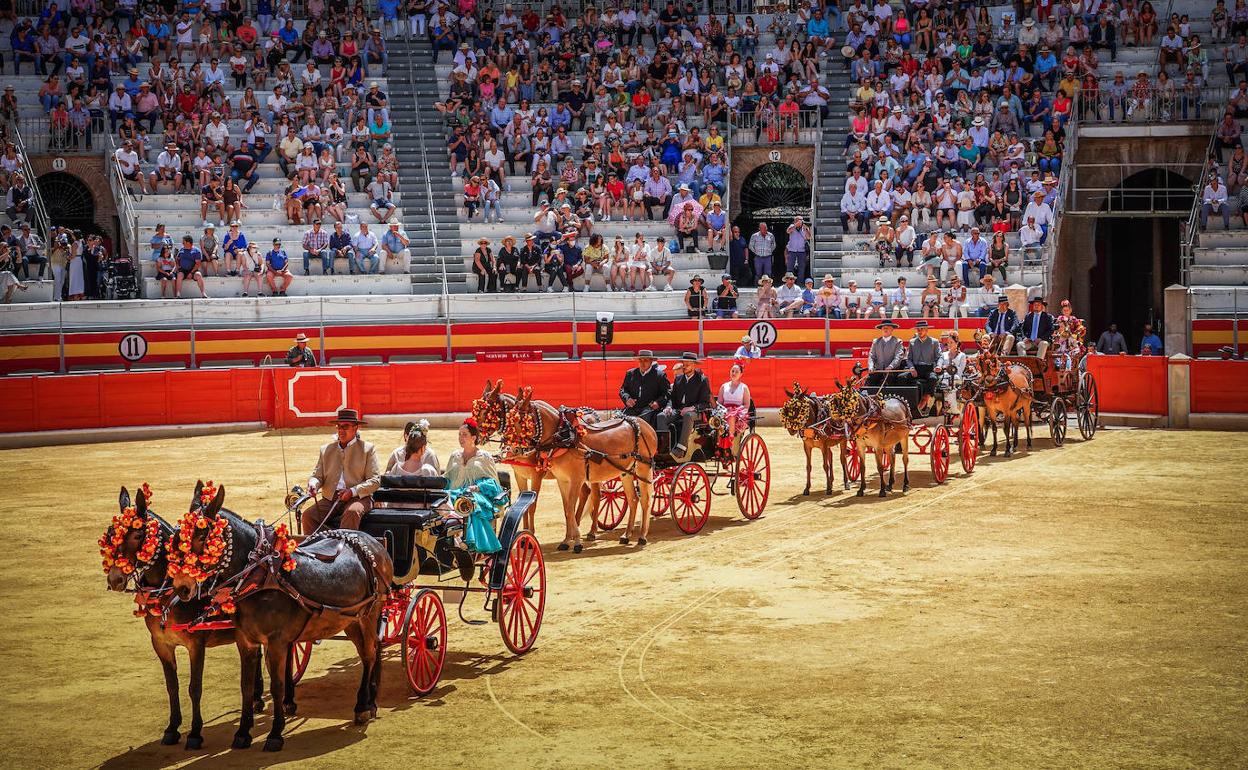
{"points": [[733, 399]]}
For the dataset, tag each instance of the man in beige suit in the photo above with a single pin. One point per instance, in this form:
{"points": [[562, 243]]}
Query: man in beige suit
{"points": [[346, 475]]}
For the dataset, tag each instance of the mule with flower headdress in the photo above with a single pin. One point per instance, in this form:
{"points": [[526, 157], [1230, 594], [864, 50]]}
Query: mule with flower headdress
{"points": [[806, 414], [335, 581], [877, 423], [135, 561]]}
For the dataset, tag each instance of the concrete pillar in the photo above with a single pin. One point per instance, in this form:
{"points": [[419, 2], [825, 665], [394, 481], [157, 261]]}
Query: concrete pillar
{"points": [[1018, 298], [1178, 337], [1179, 379]]}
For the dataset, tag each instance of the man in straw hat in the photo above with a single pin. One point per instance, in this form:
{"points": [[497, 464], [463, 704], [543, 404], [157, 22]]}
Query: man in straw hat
{"points": [[645, 390], [886, 354], [299, 355], [691, 396], [345, 476]]}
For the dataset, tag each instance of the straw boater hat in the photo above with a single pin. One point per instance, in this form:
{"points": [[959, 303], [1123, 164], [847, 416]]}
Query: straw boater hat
{"points": [[507, 238], [348, 415], [828, 277], [698, 279], [745, 339], [766, 279], [301, 337], [485, 241]]}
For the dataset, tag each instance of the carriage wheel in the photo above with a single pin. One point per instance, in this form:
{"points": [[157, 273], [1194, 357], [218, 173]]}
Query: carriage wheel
{"points": [[392, 616], [302, 652], [1057, 421], [753, 476], [424, 641], [886, 460], [940, 454], [968, 437], [522, 599], [853, 464], [1088, 406], [612, 505], [661, 494], [690, 498]]}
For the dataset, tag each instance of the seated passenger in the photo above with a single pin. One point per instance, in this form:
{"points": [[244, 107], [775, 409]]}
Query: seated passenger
{"points": [[415, 457], [470, 472], [345, 476]]}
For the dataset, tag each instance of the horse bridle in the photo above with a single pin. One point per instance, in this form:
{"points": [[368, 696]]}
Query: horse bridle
{"points": [[135, 578]]}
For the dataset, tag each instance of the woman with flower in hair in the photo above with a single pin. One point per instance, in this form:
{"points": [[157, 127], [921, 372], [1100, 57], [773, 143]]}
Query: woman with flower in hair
{"points": [[415, 457], [470, 472]]}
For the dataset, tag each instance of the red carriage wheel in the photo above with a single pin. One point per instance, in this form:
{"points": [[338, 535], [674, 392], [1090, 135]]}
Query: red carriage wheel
{"points": [[392, 615], [968, 437], [691, 498], [302, 653], [611, 505], [922, 437], [424, 641], [752, 476], [661, 494], [940, 454], [886, 460], [853, 463], [522, 599]]}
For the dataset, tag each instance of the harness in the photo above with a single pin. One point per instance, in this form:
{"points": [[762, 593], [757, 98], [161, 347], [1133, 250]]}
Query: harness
{"points": [[567, 437], [263, 572]]}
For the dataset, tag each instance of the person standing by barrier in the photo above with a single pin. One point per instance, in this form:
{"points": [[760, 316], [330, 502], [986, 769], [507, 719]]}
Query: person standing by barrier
{"points": [[299, 355], [795, 259]]}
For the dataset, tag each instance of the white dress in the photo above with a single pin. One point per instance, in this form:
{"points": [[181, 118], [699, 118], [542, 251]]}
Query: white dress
{"points": [[428, 465]]}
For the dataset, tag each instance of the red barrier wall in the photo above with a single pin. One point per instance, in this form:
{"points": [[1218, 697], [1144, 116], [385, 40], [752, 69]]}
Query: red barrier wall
{"points": [[1127, 384], [1219, 386], [1208, 336], [1131, 384]]}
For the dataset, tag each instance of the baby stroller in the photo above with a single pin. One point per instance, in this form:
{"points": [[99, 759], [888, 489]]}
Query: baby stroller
{"points": [[120, 281]]}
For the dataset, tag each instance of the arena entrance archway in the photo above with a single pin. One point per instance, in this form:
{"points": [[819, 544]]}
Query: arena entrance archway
{"points": [[773, 193], [69, 201], [1137, 256]]}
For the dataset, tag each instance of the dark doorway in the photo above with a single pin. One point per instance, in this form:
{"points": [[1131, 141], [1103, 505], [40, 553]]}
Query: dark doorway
{"points": [[1137, 257], [69, 202], [773, 193]]}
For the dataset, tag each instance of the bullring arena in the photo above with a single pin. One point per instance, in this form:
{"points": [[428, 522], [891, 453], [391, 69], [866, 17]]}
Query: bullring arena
{"points": [[1074, 606], [563, 384]]}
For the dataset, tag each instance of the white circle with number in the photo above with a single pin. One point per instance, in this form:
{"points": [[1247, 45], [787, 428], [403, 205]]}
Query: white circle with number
{"points": [[774, 155], [59, 164], [132, 347], [763, 333]]}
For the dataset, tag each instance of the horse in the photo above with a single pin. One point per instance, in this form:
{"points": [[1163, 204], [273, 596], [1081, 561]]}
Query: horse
{"points": [[1005, 389], [879, 423], [136, 561], [335, 582], [490, 411], [806, 414], [582, 453]]}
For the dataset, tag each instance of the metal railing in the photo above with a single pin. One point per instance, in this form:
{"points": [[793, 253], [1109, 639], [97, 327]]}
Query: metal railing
{"points": [[44, 138], [127, 215], [438, 255], [1150, 105], [1113, 194], [1190, 234], [41, 223], [744, 130]]}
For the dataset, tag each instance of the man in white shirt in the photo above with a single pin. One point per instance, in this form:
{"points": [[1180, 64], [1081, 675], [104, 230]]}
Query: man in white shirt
{"points": [[218, 134], [119, 103], [788, 296], [214, 77], [1039, 211], [128, 163], [365, 246], [277, 104], [879, 202], [1030, 237], [906, 237], [1213, 200], [168, 168]]}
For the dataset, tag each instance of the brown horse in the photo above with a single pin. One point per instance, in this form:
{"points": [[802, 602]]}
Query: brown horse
{"points": [[1005, 389], [880, 424], [166, 624], [336, 582], [806, 414], [491, 411], [581, 454]]}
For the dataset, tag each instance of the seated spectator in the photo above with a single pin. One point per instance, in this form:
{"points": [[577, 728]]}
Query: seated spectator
{"points": [[277, 269], [189, 259], [316, 246], [394, 244]]}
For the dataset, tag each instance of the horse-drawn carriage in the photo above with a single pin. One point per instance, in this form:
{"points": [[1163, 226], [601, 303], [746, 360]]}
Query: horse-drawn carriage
{"points": [[684, 488], [931, 431], [422, 528], [1059, 387]]}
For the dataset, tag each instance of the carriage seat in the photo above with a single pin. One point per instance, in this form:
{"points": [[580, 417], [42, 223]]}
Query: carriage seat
{"points": [[426, 491]]}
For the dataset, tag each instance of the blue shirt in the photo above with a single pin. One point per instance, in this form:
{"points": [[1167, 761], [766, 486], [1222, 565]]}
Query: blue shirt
{"points": [[188, 257], [1153, 342], [238, 244], [289, 36], [277, 259], [817, 28], [717, 221], [571, 254], [975, 252], [713, 173], [1035, 326], [389, 8]]}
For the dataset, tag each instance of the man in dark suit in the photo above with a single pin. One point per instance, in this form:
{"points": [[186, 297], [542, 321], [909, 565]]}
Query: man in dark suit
{"points": [[1001, 321], [645, 389], [691, 394], [1035, 331]]}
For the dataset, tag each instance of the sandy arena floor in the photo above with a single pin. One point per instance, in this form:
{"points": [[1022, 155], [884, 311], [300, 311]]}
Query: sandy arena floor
{"points": [[1084, 606]]}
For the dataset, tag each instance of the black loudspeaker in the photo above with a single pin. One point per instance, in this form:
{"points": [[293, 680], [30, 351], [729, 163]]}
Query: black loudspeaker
{"points": [[604, 332]]}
